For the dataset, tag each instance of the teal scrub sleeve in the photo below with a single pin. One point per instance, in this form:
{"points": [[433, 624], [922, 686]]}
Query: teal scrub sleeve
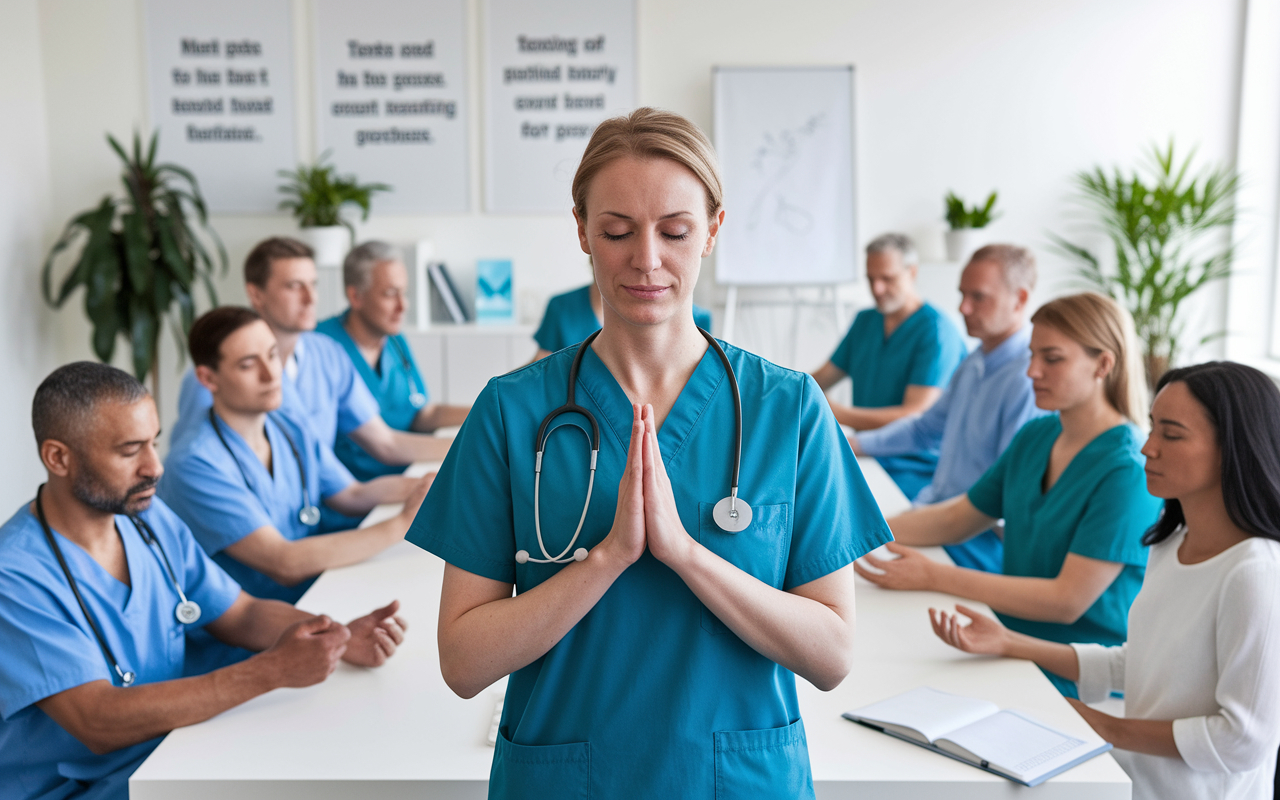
{"points": [[837, 520], [467, 516], [202, 580], [545, 334], [702, 318], [1117, 514], [987, 494], [213, 500], [937, 355], [44, 652], [843, 356]]}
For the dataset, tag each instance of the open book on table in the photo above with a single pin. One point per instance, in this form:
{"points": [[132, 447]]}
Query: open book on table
{"points": [[978, 733]]}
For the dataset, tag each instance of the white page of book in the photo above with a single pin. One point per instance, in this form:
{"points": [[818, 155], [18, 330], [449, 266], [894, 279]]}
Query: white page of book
{"points": [[929, 711], [1017, 744]]}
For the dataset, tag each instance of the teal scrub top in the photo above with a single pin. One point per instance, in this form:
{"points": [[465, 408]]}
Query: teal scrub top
{"points": [[650, 695], [570, 319], [1098, 508], [923, 351], [396, 384]]}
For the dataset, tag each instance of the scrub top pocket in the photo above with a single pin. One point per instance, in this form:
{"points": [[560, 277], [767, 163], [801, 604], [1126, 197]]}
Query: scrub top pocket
{"points": [[760, 550], [771, 763], [529, 772]]}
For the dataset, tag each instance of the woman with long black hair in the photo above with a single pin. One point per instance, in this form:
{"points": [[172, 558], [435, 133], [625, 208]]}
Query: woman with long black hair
{"points": [[1201, 669]]}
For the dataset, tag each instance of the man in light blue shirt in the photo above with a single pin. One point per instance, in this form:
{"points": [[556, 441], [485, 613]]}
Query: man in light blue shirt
{"points": [[988, 399]]}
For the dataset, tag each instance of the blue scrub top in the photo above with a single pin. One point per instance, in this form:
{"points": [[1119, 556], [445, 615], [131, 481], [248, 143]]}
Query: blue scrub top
{"points": [[1099, 508], [651, 695], [203, 484], [48, 646], [397, 385], [923, 351], [326, 394], [569, 319]]}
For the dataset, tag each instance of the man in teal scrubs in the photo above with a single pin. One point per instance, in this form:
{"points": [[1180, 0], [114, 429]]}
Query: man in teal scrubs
{"points": [[376, 284], [899, 354]]}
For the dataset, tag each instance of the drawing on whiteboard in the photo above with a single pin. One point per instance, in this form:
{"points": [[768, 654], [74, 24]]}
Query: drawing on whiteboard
{"points": [[774, 159]]}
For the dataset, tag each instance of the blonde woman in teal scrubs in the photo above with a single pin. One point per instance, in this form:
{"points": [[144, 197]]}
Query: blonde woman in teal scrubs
{"points": [[1070, 487]]}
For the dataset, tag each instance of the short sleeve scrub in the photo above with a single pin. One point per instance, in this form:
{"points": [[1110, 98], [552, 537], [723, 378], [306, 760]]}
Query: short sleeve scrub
{"points": [[1098, 508], [650, 695]]}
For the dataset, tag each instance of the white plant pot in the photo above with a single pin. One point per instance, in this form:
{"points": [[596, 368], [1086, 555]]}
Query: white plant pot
{"points": [[331, 244], [961, 242]]}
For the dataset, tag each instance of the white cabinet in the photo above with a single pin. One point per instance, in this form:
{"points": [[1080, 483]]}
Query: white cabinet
{"points": [[458, 360]]}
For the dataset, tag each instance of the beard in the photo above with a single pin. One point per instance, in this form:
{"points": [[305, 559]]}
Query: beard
{"points": [[89, 488]]}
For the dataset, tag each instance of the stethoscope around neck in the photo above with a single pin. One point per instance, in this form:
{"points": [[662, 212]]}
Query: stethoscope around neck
{"points": [[187, 611], [309, 514], [732, 514], [418, 397]]}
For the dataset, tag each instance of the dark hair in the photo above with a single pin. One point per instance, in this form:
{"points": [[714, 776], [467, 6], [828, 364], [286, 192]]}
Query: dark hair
{"points": [[1244, 406], [66, 399], [209, 332], [257, 265]]}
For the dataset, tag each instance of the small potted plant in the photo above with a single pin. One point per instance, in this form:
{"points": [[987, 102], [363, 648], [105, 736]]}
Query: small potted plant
{"points": [[316, 196], [964, 222]]}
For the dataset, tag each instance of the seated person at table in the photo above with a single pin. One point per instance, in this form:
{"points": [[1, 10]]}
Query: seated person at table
{"points": [[573, 316], [1201, 670], [1070, 489], [376, 284], [899, 354], [988, 399], [321, 387], [98, 580]]}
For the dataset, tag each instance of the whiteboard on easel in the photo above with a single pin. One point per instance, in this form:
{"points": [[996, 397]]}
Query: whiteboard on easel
{"points": [[785, 140]]}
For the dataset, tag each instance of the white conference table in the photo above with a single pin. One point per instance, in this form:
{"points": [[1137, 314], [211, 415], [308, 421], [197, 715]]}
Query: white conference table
{"points": [[398, 732]]}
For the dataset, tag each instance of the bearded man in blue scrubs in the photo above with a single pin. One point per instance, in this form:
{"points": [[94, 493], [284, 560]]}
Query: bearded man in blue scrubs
{"points": [[376, 284], [989, 397], [321, 386], [98, 584], [899, 354]]}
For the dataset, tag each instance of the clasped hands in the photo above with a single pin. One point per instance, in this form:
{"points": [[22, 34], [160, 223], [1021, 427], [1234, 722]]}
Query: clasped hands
{"points": [[646, 516], [307, 652]]}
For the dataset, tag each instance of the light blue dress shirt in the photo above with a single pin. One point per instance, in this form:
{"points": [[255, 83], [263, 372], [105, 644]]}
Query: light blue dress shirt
{"points": [[47, 646], [986, 403], [650, 694]]}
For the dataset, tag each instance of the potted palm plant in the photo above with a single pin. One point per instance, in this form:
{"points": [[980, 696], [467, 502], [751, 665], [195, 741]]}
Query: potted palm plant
{"points": [[964, 222], [316, 196], [1165, 227], [141, 258]]}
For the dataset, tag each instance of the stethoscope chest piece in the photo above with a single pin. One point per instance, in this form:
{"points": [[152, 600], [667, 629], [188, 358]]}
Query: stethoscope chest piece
{"points": [[732, 514], [417, 399], [309, 515], [187, 612]]}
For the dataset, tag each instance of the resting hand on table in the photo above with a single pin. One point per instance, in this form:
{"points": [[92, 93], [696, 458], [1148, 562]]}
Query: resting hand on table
{"points": [[417, 493], [307, 652], [983, 635], [375, 636], [912, 570]]}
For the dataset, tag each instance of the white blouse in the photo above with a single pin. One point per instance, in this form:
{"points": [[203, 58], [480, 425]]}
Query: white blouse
{"points": [[1203, 651]]}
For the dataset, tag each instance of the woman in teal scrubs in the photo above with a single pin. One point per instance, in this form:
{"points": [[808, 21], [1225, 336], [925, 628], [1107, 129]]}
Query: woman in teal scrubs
{"points": [[573, 316], [1071, 489], [663, 663]]}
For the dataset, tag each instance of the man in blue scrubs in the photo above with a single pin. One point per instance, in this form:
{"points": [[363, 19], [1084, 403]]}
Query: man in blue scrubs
{"points": [[68, 727], [899, 354], [247, 476], [988, 399], [376, 284], [321, 387]]}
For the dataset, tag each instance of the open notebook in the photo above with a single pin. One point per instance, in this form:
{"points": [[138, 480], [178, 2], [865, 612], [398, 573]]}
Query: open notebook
{"points": [[978, 733]]}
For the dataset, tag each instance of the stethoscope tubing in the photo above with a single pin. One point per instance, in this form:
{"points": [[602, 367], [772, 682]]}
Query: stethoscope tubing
{"points": [[297, 458]]}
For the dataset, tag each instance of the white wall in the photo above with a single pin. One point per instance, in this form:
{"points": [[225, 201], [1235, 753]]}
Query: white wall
{"points": [[990, 94], [25, 352]]}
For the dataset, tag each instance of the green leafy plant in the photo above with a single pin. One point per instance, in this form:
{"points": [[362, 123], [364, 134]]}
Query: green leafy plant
{"points": [[959, 216], [1165, 225], [317, 194], [141, 258]]}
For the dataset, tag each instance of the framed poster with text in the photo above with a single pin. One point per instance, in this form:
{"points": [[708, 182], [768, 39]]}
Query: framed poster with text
{"points": [[220, 79], [554, 70], [391, 98]]}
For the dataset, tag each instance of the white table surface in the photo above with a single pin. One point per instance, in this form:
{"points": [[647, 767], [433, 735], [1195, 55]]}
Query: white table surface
{"points": [[399, 732]]}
